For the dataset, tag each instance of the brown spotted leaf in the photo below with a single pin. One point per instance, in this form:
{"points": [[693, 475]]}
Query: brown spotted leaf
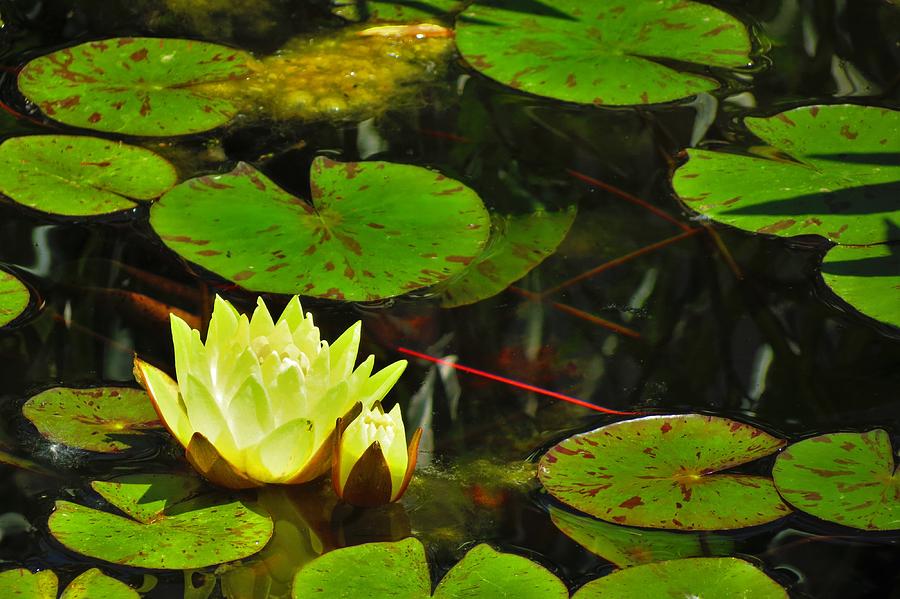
{"points": [[165, 528], [848, 478], [14, 298], [832, 171], [602, 53], [104, 419], [663, 472], [373, 229], [135, 86]]}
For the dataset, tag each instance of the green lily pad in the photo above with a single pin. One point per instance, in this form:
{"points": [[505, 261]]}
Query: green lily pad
{"points": [[867, 278], [706, 577], [94, 584], [14, 298], [135, 86], [518, 245], [80, 176], [397, 570], [396, 11], [830, 170], [663, 472], [848, 478], [484, 572], [375, 229], [166, 528], [22, 584], [97, 419], [625, 546], [609, 53]]}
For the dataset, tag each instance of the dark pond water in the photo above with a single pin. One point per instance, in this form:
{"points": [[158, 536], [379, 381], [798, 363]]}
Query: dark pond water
{"points": [[761, 340]]}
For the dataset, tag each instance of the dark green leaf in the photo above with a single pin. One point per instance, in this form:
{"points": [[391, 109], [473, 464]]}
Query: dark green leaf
{"points": [[867, 278]]}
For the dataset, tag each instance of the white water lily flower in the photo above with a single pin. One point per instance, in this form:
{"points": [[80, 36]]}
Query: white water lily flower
{"points": [[258, 403], [372, 463]]}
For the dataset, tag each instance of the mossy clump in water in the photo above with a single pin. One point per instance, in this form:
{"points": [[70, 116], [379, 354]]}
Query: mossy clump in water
{"points": [[357, 73]]}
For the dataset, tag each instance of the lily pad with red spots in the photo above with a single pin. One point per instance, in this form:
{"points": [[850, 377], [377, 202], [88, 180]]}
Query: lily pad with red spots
{"points": [[73, 175], [867, 278], [135, 86], [626, 546], [373, 229], [169, 524], [831, 170], [665, 472], [518, 244], [22, 584], [14, 298], [602, 53], [104, 419], [94, 584], [706, 577], [848, 478]]}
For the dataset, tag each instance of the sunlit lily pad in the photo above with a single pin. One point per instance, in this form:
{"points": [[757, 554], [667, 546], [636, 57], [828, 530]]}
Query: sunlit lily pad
{"points": [[483, 572], [94, 584], [396, 570], [399, 571], [663, 472], [706, 577], [848, 478], [830, 170], [626, 546], [518, 244], [608, 53], [135, 86], [14, 298], [167, 526], [22, 584], [867, 278], [97, 419], [374, 230], [80, 176]]}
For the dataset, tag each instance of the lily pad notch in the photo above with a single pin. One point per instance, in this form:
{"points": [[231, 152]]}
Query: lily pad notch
{"points": [[372, 229]]}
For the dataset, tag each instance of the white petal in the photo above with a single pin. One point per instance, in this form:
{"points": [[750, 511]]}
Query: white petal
{"points": [[343, 353], [284, 452], [164, 392], [261, 324], [249, 416], [396, 451], [380, 383]]}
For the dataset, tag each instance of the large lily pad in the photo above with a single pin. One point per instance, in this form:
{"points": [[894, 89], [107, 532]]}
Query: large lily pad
{"points": [[625, 546], [601, 53], [80, 176], [376, 570], [22, 584], [97, 419], [706, 577], [399, 571], [830, 170], [94, 584], [848, 478], [375, 229], [484, 572], [14, 298], [663, 472], [518, 244], [166, 528], [867, 278], [135, 86]]}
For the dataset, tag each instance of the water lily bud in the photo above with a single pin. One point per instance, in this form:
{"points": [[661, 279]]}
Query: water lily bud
{"points": [[372, 463], [258, 402]]}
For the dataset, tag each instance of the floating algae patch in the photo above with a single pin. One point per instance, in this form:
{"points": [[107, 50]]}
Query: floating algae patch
{"points": [[357, 73]]}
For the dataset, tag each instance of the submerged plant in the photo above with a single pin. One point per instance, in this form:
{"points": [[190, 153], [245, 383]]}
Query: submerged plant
{"points": [[372, 463], [259, 402]]}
